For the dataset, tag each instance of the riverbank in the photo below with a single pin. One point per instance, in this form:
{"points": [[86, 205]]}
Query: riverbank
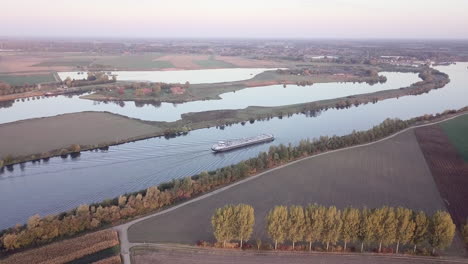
{"points": [[58, 133], [53, 92]]}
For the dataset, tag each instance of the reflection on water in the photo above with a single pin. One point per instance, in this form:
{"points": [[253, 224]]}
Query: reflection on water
{"points": [[6, 104], [61, 184], [272, 95]]}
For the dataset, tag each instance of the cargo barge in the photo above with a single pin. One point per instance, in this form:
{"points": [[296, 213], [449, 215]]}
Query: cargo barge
{"points": [[238, 143]]}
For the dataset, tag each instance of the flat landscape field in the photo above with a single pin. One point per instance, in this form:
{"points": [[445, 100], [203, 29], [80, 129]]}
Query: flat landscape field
{"points": [[391, 172], [440, 145], [174, 255], [37, 135], [457, 131], [15, 79], [20, 62]]}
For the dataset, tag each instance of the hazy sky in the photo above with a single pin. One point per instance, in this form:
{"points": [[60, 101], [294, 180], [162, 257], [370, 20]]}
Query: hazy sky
{"points": [[236, 18]]}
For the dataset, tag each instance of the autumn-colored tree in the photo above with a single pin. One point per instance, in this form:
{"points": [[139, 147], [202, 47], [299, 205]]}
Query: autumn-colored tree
{"points": [[296, 224], [10, 241], [244, 222], [421, 229], [222, 222], [156, 90], [377, 218], [465, 232], [441, 231], [331, 226], [314, 223], [405, 226], [277, 224], [122, 201], [68, 81], [366, 230], [351, 219], [74, 148], [389, 227]]}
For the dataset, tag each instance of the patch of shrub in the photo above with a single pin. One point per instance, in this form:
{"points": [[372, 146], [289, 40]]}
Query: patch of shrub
{"points": [[75, 148]]}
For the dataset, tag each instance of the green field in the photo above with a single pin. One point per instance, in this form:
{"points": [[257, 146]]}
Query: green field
{"points": [[148, 61], [31, 79], [213, 63], [457, 131], [56, 63]]}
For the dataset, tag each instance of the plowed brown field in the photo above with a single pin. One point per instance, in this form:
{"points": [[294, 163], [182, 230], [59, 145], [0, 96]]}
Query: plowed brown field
{"points": [[448, 168]]}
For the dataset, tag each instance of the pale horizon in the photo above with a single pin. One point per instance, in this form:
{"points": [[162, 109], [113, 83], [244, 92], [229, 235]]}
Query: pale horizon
{"points": [[301, 19]]}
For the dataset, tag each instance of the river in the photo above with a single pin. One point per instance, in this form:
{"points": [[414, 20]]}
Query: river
{"points": [[272, 95], [61, 184]]}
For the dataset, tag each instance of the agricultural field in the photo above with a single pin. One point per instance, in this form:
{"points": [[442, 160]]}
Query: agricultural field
{"points": [[392, 172], [84, 249], [21, 79], [457, 131], [182, 255], [18, 62], [253, 63], [149, 61], [69, 62], [203, 61], [447, 165], [211, 62]]}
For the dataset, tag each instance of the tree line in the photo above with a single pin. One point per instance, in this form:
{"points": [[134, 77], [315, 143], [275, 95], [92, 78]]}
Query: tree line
{"points": [[385, 226], [42, 230], [93, 78], [150, 88], [6, 89]]}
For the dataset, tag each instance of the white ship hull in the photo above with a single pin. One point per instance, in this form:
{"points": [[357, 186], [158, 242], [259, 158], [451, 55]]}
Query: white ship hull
{"points": [[234, 144]]}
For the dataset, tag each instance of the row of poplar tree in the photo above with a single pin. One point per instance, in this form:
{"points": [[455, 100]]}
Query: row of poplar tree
{"points": [[384, 226]]}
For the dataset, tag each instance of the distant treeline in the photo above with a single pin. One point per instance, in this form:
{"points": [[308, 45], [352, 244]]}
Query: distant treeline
{"points": [[6, 89], [93, 78], [90, 217], [150, 88], [385, 226]]}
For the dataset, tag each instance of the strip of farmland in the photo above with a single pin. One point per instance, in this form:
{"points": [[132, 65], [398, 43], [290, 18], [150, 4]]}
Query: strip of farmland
{"points": [[448, 168], [183, 255]]}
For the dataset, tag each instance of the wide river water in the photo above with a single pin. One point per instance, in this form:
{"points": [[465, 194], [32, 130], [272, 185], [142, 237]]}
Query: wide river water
{"points": [[61, 184], [273, 95]]}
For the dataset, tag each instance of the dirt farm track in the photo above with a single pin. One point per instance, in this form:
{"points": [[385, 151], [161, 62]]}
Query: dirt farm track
{"points": [[177, 255], [392, 172]]}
